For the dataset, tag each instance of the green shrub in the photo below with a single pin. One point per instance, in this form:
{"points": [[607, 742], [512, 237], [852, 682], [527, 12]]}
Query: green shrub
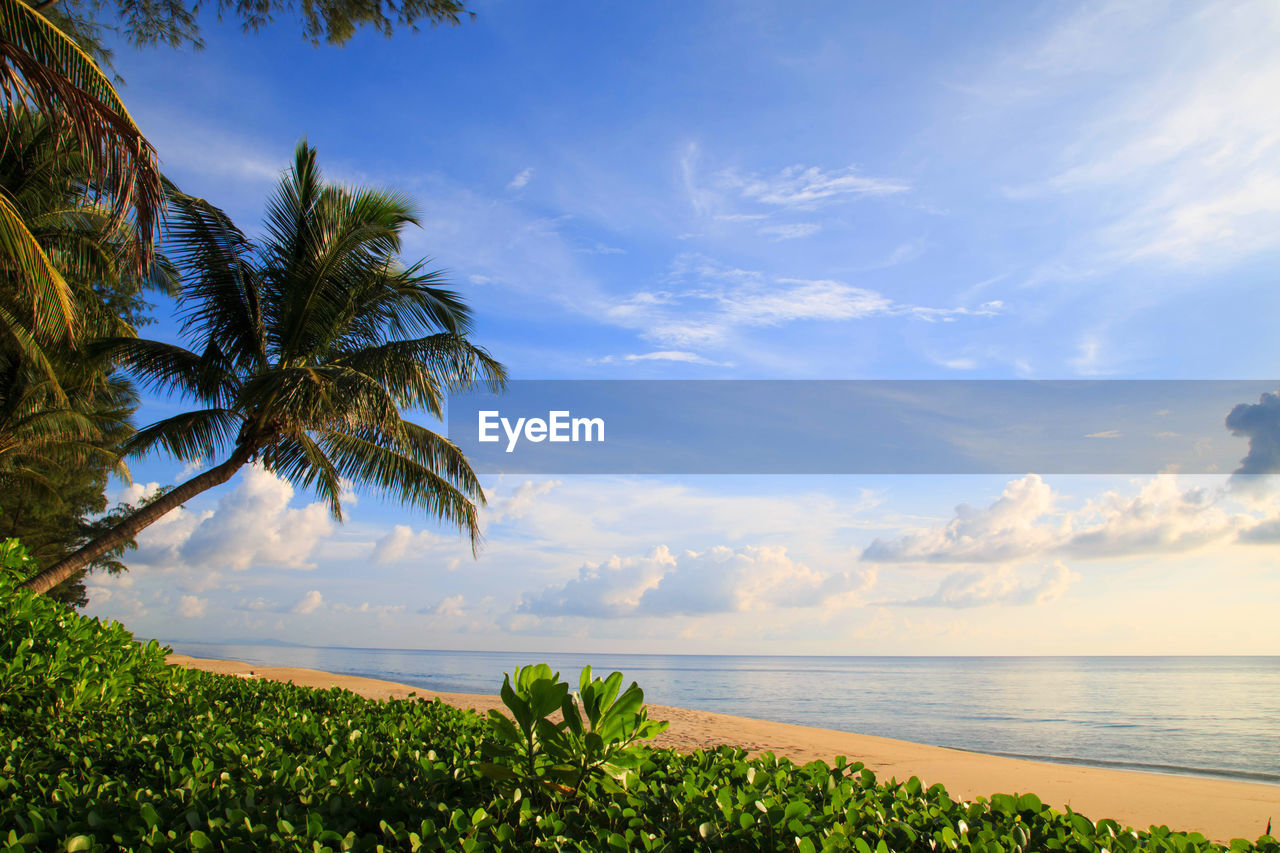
{"points": [[592, 742], [103, 748]]}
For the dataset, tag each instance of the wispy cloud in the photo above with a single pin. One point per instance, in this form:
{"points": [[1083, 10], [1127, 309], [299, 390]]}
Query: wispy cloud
{"points": [[791, 231], [704, 303], [678, 356], [521, 180], [1183, 152], [806, 187]]}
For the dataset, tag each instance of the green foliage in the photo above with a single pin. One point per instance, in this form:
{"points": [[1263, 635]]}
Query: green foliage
{"points": [[175, 23], [104, 748], [592, 741], [16, 564], [64, 416]]}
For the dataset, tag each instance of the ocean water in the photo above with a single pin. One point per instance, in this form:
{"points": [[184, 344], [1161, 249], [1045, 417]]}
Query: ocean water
{"points": [[1214, 716]]}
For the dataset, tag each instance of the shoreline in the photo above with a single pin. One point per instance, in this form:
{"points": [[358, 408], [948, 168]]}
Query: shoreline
{"points": [[1220, 809]]}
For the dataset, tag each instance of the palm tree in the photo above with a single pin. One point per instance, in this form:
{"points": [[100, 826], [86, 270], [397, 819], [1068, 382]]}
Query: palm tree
{"points": [[42, 68], [305, 351]]}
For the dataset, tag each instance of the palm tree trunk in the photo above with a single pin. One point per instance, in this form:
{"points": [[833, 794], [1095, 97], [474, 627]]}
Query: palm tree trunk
{"points": [[131, 526]]}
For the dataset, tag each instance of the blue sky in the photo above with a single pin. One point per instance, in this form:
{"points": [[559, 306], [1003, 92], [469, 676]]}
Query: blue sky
{"points": [[741, 190]]}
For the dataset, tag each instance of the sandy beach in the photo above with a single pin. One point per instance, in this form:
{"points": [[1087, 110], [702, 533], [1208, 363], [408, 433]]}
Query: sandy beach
{"points": [[1219, 809]]}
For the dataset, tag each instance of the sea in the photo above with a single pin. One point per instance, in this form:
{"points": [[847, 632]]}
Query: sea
{"points": [[1203, 716]]}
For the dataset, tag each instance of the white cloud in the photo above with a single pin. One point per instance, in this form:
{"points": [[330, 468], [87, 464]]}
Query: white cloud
{"points": [[190, 469], [679, 356], [309, 603], [252, 525], [1161, 518], [136, 493], [996, 585], [603, 590], [192, 607], [518, 503], [706, 303], [791, 231], [806, 187], [366, 607], [451, 606], [521, 180], [1011, 528], [1106, 433], [601, 249], [718, 580], [402, 543]]}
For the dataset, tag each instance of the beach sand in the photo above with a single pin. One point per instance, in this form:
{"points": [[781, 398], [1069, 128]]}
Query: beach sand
{"points": [[1219, 809]]}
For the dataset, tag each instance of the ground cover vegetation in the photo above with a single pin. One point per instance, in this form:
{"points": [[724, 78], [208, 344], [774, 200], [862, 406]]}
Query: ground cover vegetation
{"points": [[104, 747]]}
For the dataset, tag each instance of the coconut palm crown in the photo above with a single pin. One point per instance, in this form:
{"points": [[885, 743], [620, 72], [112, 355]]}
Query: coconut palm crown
{"points": [[306, 349]]}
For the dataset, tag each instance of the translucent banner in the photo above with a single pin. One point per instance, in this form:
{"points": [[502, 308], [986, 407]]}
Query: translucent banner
{"points": [[868, 426]]}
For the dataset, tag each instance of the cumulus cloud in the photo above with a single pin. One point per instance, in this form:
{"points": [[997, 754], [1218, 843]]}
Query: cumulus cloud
{"points": [[449, 606], [1011, 528], [718, 580], [253, 524], [403, 543], [1263, 533], [309, 603], [996, 585], [1260, 423], [609, 589], [518, 503], [1161, 519], [1023, 523], [191, 606], [136, 493]]}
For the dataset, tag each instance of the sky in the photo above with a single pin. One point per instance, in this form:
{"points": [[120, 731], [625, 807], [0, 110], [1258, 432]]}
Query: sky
{"points": [[741, 190]]}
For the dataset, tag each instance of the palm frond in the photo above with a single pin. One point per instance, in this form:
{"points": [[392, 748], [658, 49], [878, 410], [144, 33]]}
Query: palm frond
{"points": [[190, 436], [405, 479], [418, 372], [53, 307], [206, 377], [303, 463], [220, 300], [41, 65]]}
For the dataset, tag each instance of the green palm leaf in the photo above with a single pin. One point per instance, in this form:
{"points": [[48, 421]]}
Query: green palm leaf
{"points": [[41, 66], [53, 309]]}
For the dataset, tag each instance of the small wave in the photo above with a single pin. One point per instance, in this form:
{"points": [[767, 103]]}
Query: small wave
{"points": [[1147, 767]]}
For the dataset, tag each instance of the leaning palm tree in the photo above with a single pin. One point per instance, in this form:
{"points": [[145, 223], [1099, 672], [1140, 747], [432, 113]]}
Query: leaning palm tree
{"points": [[306, 350]]}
